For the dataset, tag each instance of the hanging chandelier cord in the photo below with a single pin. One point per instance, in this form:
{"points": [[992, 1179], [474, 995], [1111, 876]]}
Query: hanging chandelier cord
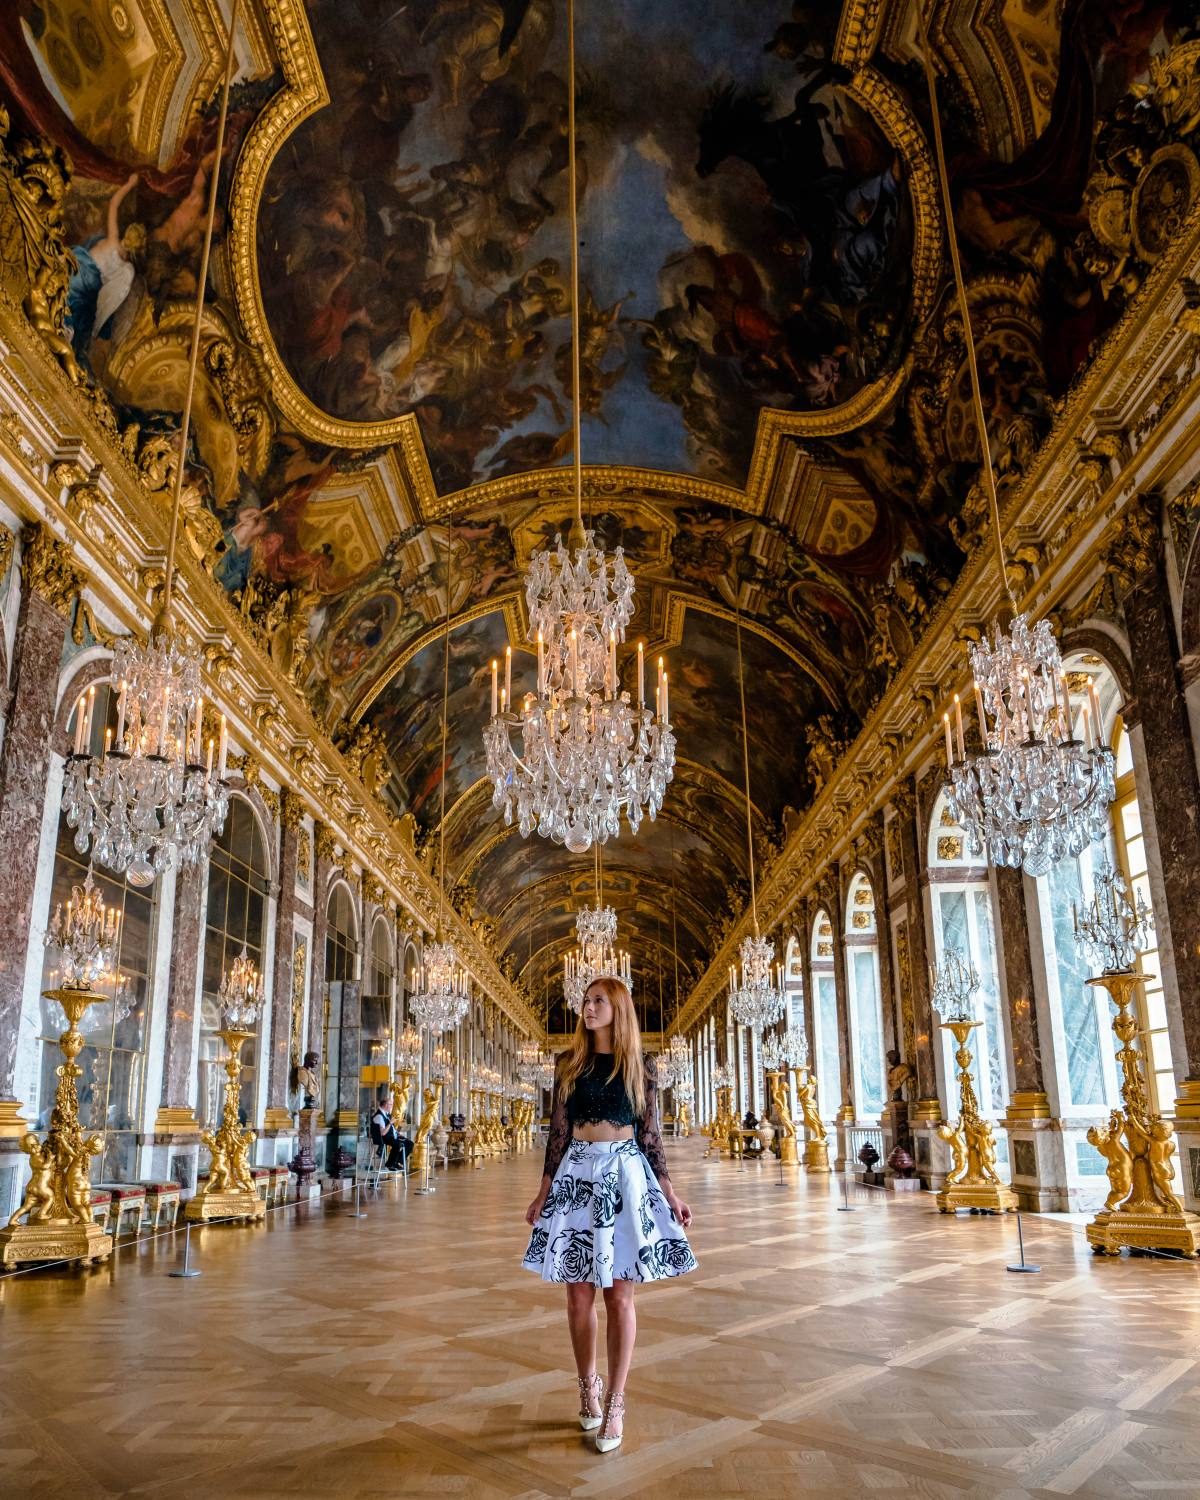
{"points": [[745, 755], [160, 623], [445, 706], [964, 310], [674, 926], [573, 196]]}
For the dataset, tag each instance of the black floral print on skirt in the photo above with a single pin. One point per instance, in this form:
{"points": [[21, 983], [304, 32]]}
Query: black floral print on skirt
{"points": [[605, 1219]]}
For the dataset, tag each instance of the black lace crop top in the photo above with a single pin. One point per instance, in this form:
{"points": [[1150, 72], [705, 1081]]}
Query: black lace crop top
{"points": [[595, 1100]]}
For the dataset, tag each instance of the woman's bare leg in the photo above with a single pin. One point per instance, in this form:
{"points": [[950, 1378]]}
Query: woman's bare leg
{"points": [[621, 1333], [581, 1319]]}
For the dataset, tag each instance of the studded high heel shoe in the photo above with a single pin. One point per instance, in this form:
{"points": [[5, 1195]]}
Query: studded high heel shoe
{"points": [[591, 1388], [614, 1406]]}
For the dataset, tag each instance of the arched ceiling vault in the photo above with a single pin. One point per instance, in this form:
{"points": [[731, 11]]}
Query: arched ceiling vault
{"points": [[775, 411]]}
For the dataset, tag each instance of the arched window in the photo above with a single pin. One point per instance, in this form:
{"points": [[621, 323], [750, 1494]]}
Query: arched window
{"points": [[961, 905], [236, 917], [113, 1057], [341, 965], [1131, 858], [862, 982], [826, 1051]]}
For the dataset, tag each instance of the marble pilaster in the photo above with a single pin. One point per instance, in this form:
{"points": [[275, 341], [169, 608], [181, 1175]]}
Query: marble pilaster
{"points": [[1039, 1172], [845, 1111], [277, 1120], [49, 583], [1173, 829]]}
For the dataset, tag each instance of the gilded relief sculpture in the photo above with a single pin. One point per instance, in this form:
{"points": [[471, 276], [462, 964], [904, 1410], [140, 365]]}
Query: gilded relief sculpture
{"points": [[972, 1181]]}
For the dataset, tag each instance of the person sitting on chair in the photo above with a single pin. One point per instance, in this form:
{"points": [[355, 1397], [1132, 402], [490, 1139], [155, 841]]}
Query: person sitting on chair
{"points": [[385, 1135]]}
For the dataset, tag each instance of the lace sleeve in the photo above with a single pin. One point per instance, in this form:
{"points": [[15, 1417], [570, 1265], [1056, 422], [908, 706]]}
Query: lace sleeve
{"points": [[646, 1131], [560, 1131]]}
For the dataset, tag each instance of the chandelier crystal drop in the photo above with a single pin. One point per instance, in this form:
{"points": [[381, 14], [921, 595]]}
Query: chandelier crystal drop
{"points": [[408, 1049], [781, 1052], [953, 983], [588, 753], [1116, 924], [241, 995], [756, 996], [84, 936], [675, 1064], [595, 955], [724, 1076], [1036, 794], [443, 993], [155, 791]]}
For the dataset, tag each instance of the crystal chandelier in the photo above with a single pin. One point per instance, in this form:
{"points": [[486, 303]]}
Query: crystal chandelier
{"points": [[408, 1049], [679, 1057], [1035, 794], [86, 934], [240, 996], [545, 1075], [952, 985], [152, 794], [595, 955], [781, 1052], [723, 1076], [441, 1065], [756, 996], [443, 994], [1116, 925], [587, 753]]}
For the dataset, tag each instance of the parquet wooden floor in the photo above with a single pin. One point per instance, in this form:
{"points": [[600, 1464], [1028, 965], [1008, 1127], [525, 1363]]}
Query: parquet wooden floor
{"points": [[882, 1352]]}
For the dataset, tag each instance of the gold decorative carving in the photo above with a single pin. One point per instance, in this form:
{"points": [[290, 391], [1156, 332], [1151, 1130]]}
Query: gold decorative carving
{"points": [[299, 971], [57, 1201], [47, 567], [86, 623], [972, 1181], [230, 1192], [1142, 1210], [271, 800], [291, 811], [949, 846], [327, 844]]}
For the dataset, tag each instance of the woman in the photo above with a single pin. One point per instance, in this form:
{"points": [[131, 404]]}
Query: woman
{"points": [[606, 1214]]}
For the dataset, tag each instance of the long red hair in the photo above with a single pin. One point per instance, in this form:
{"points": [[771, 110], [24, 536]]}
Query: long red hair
{"points": [[627, 1045]]}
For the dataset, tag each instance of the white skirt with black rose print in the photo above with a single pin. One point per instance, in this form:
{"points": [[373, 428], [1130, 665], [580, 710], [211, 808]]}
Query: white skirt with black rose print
{"points": [[606, 1220]]}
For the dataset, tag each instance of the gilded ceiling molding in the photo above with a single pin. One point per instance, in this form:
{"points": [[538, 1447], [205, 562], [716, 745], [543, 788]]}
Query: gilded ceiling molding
{"points": [[1054, 506]]}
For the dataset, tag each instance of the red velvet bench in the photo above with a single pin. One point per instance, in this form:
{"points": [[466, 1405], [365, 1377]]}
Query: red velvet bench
{"points": [[162, 1204], [127, 1204]]}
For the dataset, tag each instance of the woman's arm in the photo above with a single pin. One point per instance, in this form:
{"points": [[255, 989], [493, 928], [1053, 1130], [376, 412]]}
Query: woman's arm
{"points": [[646, 1128], [557, 1138]]}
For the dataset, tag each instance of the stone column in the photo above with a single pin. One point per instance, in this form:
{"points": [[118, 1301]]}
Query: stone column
{"points": [[277, 1121], [1172, 826], [176, 1115], [49, 583], [323, 867], [836, 906], [1035, 1138]]}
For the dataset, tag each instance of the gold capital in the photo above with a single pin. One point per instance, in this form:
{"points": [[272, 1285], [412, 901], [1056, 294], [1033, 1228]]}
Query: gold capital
{"points": [[48, 568]]}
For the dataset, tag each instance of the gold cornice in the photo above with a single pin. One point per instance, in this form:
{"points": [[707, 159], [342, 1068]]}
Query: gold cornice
{"points": [[1147, 368]]}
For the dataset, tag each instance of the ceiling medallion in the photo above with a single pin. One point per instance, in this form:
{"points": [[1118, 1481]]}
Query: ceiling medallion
{"points": [[1036, 793], [587, 754], [153, 792]]}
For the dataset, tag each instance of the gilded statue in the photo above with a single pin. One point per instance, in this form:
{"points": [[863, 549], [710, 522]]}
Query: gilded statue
{"points": [[898, 1074], [806, 1093], [39, 1193], [1162, 1149], [956, 1139], [218, 1167], [1107, 1140], [431, 1096], [981, 1139], [240, 1167], [77, 1190]]}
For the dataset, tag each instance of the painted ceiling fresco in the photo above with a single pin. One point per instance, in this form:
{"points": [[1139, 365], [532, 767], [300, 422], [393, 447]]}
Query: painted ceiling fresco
{"points": [[776, 415], [747, 247]]}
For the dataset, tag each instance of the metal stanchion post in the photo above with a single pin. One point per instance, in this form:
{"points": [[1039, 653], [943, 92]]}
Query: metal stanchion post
{"points": [[427, 1186], [359, 1212], [846, 1207], [1024, 1264], [185, 1270]]}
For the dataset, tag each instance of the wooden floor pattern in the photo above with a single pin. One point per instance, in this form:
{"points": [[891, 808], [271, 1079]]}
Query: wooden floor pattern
{"points": [[876, 1353]]}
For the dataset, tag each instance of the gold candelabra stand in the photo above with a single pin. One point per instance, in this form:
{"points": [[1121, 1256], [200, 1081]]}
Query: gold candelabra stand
{"points": [[683, 1113], [721, 1130], [475, 1143], [229, 1192], [401, 1093], [431, 1099], [816, 1145], [786, 1137], [57, 1206], [972, 1181], [1142, 1209]]}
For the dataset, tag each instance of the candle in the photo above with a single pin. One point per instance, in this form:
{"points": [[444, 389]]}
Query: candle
{"points": [[666, 703], [983, 734], [949, 747], [508, 674], [223, 749], [959, 727], [641, 675], [541, 666], [79, 713], [107, 740], [494, 666], [208, 767], [121, 714], [1087, 728], [503, 700], [91, 711], [198, 730], [1095, 702]]}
